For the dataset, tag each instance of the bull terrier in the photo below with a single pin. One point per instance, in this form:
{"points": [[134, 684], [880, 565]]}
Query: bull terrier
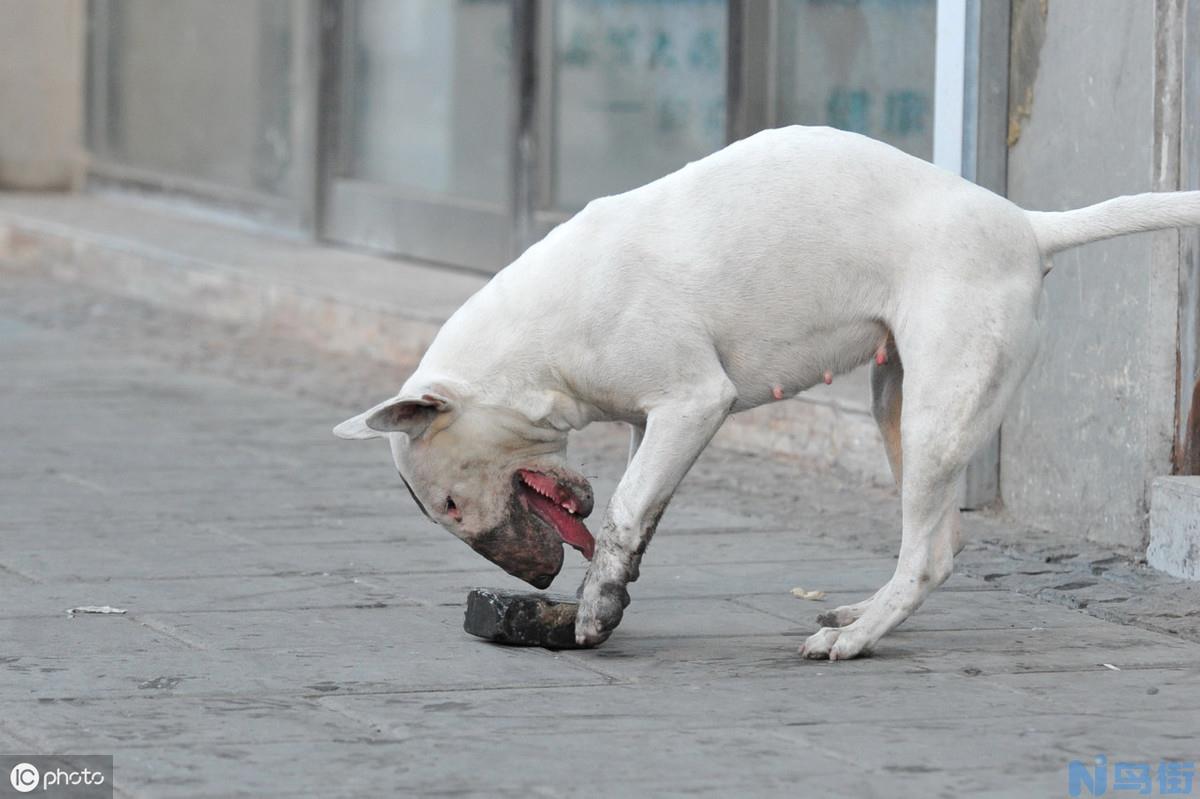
{"points": [[743, 278]]}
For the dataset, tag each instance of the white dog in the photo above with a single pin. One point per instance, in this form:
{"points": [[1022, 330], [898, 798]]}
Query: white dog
{"points": [[742, 279]]}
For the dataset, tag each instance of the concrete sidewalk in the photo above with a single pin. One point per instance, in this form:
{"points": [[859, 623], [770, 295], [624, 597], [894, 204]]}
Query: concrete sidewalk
{"points": [[293, 625]]}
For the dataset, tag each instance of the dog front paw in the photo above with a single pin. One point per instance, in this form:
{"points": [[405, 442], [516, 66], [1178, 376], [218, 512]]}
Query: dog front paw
{"points": [[601, 606]]}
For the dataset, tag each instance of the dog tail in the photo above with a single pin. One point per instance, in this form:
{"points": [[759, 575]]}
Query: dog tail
{"points": [[1135, 213]]}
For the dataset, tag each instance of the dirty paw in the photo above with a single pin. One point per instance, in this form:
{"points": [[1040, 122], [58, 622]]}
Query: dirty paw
{"points": [[834, 643], [600, 611]]}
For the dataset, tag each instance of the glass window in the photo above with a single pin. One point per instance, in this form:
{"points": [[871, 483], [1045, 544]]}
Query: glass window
{"points": [[639, 90], [860, 65], [200, 89], [428, 96]]}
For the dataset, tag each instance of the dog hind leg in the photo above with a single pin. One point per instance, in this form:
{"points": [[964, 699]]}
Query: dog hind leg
{"points": [[887, 380], [958, 379]]}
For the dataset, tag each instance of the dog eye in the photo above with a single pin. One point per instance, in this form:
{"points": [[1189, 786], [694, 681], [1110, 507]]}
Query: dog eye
{"points": [[452, 510]]}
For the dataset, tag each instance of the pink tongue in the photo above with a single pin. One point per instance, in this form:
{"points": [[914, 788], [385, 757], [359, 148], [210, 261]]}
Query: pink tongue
{"points": [[571, 529], [576, 534]]}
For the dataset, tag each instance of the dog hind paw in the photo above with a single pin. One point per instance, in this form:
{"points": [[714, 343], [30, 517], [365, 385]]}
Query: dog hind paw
{"points": [[818, 645], [834, 643]]}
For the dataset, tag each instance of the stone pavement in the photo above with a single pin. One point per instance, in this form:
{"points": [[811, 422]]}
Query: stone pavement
{"points": [[293, 624]]}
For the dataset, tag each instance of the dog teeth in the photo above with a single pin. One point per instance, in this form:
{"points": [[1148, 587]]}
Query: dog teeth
{"points": [[570, 505]]}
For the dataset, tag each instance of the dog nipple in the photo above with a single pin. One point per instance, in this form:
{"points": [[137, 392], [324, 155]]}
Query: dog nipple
{"points": [[881, 355], [777, 392], [828, 377]]}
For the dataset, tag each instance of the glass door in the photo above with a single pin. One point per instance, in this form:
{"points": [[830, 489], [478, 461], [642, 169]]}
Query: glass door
{"points": [[195, 99], [630, 91], [423, 138], [866, 67]]}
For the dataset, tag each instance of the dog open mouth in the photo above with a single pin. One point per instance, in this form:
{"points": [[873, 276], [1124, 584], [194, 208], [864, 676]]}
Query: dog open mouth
{"points": [[560, 505]]}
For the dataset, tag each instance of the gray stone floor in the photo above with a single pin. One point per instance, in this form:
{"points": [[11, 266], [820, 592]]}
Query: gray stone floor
{"points": [[293, 625]]}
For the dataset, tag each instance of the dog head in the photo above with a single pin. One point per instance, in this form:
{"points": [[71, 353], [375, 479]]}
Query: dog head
{"points": [[487, 474]]}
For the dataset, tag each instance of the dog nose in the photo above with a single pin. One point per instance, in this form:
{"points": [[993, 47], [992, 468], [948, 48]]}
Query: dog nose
{"points": [[541, 581]]}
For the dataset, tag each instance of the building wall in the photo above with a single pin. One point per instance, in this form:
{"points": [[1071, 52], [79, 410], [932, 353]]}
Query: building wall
{"points": [[41, 91], [1093, 423]]}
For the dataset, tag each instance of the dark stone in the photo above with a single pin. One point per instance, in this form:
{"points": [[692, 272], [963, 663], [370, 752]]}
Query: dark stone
{"points": [[522, 619]]}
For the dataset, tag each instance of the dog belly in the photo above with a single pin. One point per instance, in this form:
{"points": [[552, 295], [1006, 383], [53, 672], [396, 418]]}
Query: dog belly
{"points": [[771, 370]]}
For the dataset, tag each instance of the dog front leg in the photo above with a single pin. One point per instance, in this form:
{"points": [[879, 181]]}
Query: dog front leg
{"points": [[675, 435]]}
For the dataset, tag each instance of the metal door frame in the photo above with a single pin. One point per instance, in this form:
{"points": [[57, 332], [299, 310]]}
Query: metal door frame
{"points": [[985, 161], [1177, 161]]}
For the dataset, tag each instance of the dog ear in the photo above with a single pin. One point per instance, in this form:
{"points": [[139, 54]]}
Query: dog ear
{"points": [[408, 415]]}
